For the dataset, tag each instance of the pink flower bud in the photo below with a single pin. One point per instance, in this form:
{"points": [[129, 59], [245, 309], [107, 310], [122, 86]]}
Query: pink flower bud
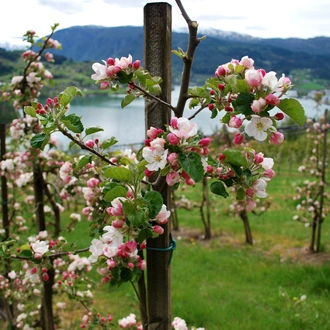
{"points": [[33, 270], [249, 192], [238, 138], [148, 173], [269, 173], [173, 139], [110, 61], [158, 230], [205, 142], [279, 116], [221, 157], [89, 143], [174, 122], [137, 64], [235, 122], [276, 138], [117, 223], [272, 99], [211, 106], [142, 264], [130, 265], [104, 85], [258, 158]]}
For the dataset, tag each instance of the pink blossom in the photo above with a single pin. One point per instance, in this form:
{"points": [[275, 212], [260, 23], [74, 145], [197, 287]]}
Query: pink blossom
{"points": [[247, 62], [173, 139], [157, 142], [238, 138], [93, 182], [158, 230], [269, 174], [163, 215], [100, 71], [90, 143], [259, 187], [235, 122], [258, 105], [172, 178], [205, 142], [153, 132], [173, 160], [142, 264], [272, 99], [185, 128], [179, 324], [128, 321], [253, 77], [124, 62], [259, 158], [276, 138]]}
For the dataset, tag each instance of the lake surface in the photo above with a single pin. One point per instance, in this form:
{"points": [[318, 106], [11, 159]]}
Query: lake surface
{"points": [[128, 124]]}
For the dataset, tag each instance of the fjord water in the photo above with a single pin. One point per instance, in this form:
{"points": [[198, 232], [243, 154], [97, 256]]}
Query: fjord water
{"points": [[128, 124]]}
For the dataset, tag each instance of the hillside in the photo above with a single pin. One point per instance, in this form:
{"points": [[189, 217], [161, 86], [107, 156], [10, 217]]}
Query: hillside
{"points": [[304, 60]]}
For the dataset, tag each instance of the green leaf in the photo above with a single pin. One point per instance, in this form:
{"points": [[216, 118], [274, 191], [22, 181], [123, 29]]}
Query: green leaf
{"points": [[235, 157], [144, 234], [240, 194], [294, 110], [192, 164], [26, 254], [226, 118], [155, 89], [138, 218], [73, 123], [243, 103], [109, 142], [31, 111], [219, 188], [118, 191], [93, 129], [68, 95], [155, 202], [119, 173], [129, 98], [126, 275], [124, 78], [39, 140], [194, 102], [83, 161]]}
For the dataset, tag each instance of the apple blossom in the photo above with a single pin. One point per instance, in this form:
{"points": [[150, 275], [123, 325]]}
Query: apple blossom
{"points": [[258, 126], [156, 157], [184, 128], [100, 71], [258, 105]]}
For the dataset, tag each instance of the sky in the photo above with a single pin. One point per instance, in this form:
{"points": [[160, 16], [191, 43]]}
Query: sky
{"points": [[257, 18]]}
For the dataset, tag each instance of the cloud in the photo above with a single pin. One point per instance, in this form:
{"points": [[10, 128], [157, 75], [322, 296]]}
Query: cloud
{"points": [[67, 7]]}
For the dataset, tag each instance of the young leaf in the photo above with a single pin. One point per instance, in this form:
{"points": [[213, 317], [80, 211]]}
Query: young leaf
{"points": [[240, 194], [73, 123], [192, 164], [109, 142], [83, 161], [155, 202], [129, 98], [294, 110], [31, 111], [123, 77], [235, 157], [119, 173], [93, 129], [138, 218], [218, 188], [68, 95], [39, 140], [118, 191]]}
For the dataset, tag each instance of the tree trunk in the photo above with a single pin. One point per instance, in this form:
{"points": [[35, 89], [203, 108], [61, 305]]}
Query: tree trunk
{"points": [[247, 229], [157, 50]]}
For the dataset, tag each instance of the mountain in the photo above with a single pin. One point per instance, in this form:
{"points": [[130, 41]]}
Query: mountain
{"points": [[96, 43], [305, 61]]}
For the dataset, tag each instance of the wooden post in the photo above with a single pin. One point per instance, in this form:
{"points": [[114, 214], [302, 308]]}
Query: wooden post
{"points": [[157, 56]]}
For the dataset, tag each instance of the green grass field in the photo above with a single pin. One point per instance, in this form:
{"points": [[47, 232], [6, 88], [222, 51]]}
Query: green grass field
{"points": [[223, 283]]}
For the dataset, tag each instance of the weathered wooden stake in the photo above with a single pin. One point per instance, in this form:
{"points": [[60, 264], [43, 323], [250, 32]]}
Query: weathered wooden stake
{"points": [[157, 57]]}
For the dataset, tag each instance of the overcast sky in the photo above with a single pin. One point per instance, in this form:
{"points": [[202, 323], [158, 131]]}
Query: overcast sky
{"points": [[258, 18]]}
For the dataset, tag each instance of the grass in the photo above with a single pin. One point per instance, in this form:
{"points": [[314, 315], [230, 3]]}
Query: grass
{"points": [[225, 284]]}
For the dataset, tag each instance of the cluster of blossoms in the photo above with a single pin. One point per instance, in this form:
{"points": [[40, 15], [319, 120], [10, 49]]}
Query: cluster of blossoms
{"points": [[180, 324], [25, 89], [245, 93], [168, 151], [312, 200], [163, 148], [113, 69]]}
